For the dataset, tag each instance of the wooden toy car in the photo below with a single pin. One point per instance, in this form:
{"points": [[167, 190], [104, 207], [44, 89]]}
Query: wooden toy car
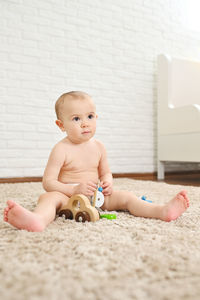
{"points": [[80, 209]]}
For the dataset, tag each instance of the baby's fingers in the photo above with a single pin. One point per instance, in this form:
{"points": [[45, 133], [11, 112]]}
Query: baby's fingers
{"points": [[90, 192], [91, 188], [107, 191], [92, 183], [105, 185]]}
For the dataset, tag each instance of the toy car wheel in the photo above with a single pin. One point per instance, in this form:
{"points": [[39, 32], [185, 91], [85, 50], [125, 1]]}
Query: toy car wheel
{"points": [[82, 217], [67, 213]]}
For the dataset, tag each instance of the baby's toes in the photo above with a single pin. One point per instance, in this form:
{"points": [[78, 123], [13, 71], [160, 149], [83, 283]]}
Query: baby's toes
{"points": [[187, 202], [184, 194], [5, 215], [6, 209], [180, 196], [10, 204]]}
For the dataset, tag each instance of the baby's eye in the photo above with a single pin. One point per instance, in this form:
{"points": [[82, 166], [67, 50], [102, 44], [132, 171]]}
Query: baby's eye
{"points": [[90, 116], [76, 119]]}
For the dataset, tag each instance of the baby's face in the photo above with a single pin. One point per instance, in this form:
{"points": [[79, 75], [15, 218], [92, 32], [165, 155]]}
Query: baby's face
{"points": [[79, 120]]}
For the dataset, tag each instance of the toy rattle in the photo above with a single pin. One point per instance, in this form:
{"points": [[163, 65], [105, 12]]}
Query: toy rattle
{"points": [[81, 209], [98, 201]]}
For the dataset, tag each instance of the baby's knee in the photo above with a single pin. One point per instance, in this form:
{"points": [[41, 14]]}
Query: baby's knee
{"points": [[53, 196], [118, 200]]}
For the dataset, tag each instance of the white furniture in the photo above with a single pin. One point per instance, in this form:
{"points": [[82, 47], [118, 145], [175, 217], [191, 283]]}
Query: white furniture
{"points": [[178, 111]]}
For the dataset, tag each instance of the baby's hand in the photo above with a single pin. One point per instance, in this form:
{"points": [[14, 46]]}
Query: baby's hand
{"points": [[86, 189], [107, 188]]}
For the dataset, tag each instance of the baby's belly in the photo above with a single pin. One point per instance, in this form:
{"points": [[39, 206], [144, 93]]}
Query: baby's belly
{"points": [[71, 177]]}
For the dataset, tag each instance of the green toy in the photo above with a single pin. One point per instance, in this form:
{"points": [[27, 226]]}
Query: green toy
{"points": [[108, 216]]}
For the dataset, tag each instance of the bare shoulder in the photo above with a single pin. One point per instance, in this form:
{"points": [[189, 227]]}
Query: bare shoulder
{"points": [[60, 147], [100, 145]]}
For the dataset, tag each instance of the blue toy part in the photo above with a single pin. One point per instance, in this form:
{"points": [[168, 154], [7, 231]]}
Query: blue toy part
{"points": [[145, 199], [100, 189]]}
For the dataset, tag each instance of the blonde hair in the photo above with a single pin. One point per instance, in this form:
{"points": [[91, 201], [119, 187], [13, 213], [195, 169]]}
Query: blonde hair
{"points": [[74, 95]]}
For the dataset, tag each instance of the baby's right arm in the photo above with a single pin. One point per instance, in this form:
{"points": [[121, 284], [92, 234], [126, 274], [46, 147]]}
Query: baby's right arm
{"points": [[52, 170]]}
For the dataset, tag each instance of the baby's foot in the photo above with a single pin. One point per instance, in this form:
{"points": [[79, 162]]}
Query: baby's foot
{"points": [[174, 208], [22, 218]]}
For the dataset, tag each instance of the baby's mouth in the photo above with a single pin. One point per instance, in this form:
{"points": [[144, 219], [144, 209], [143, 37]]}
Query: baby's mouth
{"points": [[85, 132]]}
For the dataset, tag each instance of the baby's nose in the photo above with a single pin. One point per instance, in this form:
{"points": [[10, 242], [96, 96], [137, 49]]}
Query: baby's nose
{"points": [[84, 123]]}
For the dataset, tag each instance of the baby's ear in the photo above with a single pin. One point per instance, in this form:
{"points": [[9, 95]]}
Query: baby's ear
{"points": [[60, 125]]}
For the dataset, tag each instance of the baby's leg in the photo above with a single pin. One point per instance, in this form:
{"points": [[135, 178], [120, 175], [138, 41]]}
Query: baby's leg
{"points": [[122, 200], [37, 220]]}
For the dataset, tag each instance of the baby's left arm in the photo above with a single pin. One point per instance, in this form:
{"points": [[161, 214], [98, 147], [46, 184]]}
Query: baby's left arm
{"points": [[105, 174]]}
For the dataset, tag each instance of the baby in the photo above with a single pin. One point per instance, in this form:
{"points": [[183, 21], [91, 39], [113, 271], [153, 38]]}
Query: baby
{"points": [[75, 166]]}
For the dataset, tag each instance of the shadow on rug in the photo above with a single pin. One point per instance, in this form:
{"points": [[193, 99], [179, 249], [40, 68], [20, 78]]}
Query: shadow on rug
{"points": [[126, 258]]}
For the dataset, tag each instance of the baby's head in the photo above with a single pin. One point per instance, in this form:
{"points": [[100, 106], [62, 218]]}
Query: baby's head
{"points": [[64, 101], [76, 114]]}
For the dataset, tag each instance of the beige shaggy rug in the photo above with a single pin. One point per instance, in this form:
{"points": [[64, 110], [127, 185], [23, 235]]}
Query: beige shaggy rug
{"points": [[126, 258]]}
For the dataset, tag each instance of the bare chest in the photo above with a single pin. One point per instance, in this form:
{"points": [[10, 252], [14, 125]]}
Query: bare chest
{"points": [[80, 159]]}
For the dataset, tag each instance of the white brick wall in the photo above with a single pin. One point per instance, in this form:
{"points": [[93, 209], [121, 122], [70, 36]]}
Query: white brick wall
{"points": [[107, 48]]}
